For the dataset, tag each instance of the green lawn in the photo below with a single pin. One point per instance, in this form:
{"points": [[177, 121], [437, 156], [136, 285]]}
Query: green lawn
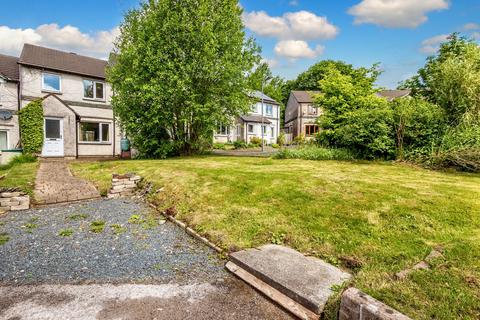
{"points": [[20, 175], [383, 217]]}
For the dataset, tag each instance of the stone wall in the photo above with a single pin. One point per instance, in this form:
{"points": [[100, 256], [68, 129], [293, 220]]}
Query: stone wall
{"points": [[12, 200], [123, 185], [357, 305]]}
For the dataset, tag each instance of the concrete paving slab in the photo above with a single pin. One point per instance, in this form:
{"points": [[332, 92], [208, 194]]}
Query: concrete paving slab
{"points": [[306, 280]]}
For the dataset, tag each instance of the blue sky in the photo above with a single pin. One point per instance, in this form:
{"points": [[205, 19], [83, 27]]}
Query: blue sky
{"points": [[293, 34]]}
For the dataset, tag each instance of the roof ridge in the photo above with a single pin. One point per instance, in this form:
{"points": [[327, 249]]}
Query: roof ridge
{"points": [[62, 51]]}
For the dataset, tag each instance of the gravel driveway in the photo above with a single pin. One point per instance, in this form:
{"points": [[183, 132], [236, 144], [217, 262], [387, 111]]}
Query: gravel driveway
{"points": [[114, 259]]}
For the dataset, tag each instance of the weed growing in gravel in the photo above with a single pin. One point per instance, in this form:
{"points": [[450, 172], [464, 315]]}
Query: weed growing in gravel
{"points": [[150, 223], [135, 219], [157, 266], [78, 216], [118, 229], [29, 227], [65, 232], [4, 238], [97, 226]]}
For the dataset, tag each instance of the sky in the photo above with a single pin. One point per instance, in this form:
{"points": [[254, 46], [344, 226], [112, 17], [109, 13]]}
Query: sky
{"points": [[293, 34]]}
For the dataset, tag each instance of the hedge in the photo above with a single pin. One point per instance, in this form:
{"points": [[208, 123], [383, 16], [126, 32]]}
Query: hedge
{"points": [[31, 127]]}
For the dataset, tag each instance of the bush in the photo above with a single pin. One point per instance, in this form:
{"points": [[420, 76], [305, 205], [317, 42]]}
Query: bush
{"points": [[31, 127], [275, 146], [316, 153], [281, 139], [299, 140], [239, 145], [256, 141], [219, 146]]}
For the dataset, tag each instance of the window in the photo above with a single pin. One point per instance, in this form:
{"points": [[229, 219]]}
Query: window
{"points": [[52, 129], [269, 109], [250, 128], [3, 140], [223, 130], [311, 129], [264, 129], [254, 108], [94, 132], [51, 82], [312, 110], [93, 90], [273, 132]]}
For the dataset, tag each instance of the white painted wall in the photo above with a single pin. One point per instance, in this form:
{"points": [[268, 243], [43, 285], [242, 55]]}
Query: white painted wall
{"points": [[9, 101]]}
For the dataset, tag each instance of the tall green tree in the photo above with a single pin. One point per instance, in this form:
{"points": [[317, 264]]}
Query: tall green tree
{"points": [[178, 69]]}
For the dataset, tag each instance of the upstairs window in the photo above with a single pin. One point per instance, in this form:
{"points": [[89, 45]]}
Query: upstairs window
{"points": [[250, 128], [51, 82], [269, 109], [312, 110], [93, 90], [94, 132]]}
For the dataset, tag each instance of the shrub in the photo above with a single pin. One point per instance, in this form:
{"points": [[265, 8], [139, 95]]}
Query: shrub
{"points": [[255, 140], [299, 140], [31, 127], [219, 146], [281, 139], [239, 145], [275, 146], [316, 153]]}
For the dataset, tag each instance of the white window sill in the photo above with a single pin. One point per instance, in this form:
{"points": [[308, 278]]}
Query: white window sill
{"points": [[51, 91], [94, 100], [95, 143]]}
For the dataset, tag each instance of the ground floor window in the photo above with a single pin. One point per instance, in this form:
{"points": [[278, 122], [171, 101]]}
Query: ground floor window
{"points": [[3, 139], [94, 132], [311, 129], [223, 130], [250, 128]]}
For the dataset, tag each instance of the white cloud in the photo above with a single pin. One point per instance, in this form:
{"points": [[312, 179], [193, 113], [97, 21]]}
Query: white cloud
{"points": [[301, 25], [67, 38], [471, 26], [431, 45], [395, 13], [297, 49], [271, 62]]}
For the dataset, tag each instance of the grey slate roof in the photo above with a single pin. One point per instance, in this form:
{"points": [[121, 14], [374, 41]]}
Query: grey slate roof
{"points": [[62, 61], [259, 95], [255, 119], [304, 96], [9, 67], [391, 95]]}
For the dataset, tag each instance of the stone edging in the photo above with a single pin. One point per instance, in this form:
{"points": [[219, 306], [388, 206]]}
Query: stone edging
{"points": [[14, 201]]}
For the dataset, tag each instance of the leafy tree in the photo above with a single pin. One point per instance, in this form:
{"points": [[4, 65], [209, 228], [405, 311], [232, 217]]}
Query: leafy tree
{"points": [[273, 85], [354, 117], [419, 126], [178, 69]]}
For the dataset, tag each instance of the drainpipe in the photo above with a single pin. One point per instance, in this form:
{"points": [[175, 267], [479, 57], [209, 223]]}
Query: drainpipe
{"points": [[18, 114], [77, 127], [263, 142]]}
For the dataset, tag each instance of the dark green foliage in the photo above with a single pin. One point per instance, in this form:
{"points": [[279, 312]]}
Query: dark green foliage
{"points": [[315, 153], [31, 127], [178, 70], [239, 145]]}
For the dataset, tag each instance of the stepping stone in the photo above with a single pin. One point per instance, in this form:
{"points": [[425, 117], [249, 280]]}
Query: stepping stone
{"points": [[305, 280]]}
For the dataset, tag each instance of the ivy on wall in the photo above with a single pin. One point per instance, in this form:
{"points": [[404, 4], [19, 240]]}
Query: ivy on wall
{"points": [[31, 127]]}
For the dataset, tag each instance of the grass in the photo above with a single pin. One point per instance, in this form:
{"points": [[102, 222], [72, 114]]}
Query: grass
{"points": [[97, 226], [29, 227], [19, 173], [118, 229], [384, 217], [78, 216], [4, 238], [311, 152], [65, 233]]}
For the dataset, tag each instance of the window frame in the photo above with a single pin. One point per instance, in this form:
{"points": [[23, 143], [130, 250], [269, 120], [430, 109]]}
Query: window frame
{"points": [[94, 82], [100, 133], [308, 132], [59, 82], [8, 138], [312, 110], [221, 132], [253, 128], [267, 107]]}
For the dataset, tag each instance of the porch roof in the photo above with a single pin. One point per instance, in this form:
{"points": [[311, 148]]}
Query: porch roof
{"points": [[255, 119]]}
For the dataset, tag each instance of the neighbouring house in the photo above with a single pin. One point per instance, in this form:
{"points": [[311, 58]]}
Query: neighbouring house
{"points": [[301, 115], [251, 125], [9, 106], [78, 116]]}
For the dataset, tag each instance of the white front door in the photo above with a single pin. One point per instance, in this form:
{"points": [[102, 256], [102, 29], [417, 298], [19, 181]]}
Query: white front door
{"points": [[53, 138]]}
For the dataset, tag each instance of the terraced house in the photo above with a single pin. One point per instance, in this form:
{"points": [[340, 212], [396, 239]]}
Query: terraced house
{"points": [[78, 116], [251, 124]]}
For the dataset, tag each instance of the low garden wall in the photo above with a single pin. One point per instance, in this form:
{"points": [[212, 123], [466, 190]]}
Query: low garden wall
{"points": [[13, 200], [123, 185]]}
